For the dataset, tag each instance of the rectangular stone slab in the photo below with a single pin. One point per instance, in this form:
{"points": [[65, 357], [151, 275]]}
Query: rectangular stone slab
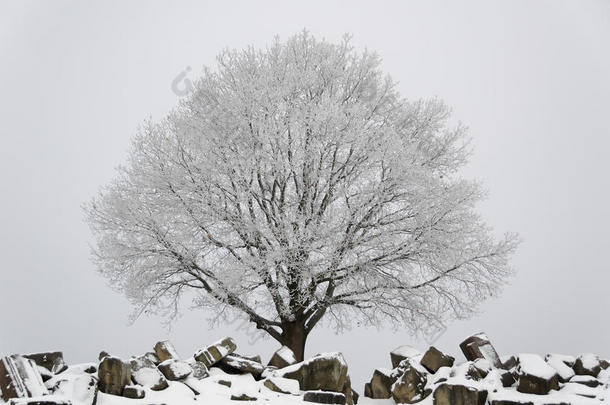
{"points": [[52, 361], [165, 350], [455, 394], [215, 352], [114, 375], [20, 378], [479, 347]]}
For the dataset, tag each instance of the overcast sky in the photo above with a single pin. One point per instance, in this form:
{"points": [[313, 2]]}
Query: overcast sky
{"points": [[531, 79]]}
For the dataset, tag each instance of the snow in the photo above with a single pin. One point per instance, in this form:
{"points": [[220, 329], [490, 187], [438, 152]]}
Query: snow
{"points": [[579, 389], [560, 366], [223, 350], [443, 372], [533, 364], [589, 360], [582, 379], [177, 367], [74, 384], [179, 394], [223, 346], [329, 356], [488, 351], [568, 360], [137, 363], [215, 393], [410, 362], [43, 371], [83, 389], [176, 393], [333, 355], [285, 353], [494, 377], [28, 370], [44, 398], [147, 376], [552, 398], [460, 371], [238, 362], [406, 351], [79, 368], [483, 364], [245, 386], [286, 384], [482, 336]]}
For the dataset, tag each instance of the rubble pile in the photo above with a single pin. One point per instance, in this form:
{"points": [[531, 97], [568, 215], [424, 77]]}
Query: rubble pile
{"points": [[485, 378], [218, 374]]}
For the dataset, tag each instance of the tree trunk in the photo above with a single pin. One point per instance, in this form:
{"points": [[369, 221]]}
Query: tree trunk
{"points": [[294, 336]]}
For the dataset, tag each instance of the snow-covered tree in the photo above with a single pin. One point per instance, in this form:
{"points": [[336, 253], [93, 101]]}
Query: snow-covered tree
{"points": [[295, 184]]}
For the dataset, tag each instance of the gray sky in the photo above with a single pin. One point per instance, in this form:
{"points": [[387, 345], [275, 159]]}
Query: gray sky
{"points": [[530, 79]]}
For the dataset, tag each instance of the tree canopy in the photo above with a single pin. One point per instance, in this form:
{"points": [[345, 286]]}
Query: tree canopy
{"points": [[293, 184]]}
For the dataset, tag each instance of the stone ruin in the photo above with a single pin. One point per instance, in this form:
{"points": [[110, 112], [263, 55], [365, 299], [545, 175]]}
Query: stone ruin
{"points": [[485, 378], [42, 379], [432, 376]]}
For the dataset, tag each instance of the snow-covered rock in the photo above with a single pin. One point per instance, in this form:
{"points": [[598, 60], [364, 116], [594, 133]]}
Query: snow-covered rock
{"points": [[483, 366], [134, 391], [151, 378], [76, 383], [380, 386], [165, 350], [200, 371], [567, 359], [151, 358], [174, 369], [20, 378], [535, 375], [587, 364], [324, 397], [52, 361], [410, 386], [215, 352], [327, 371], [434, 359], [508, 377], [239, 365], [114, 375], [478, 346], [144, 372], [564, 371], [402, 353], [283, 385], [467, 371], [509, 362], [247, 390], [534, 381], [581, 390], [456, 394], [283, 357], [45, 374], [587, 380]]}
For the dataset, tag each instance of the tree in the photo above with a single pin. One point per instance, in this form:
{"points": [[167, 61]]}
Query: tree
{"points": [[295, 183]]}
